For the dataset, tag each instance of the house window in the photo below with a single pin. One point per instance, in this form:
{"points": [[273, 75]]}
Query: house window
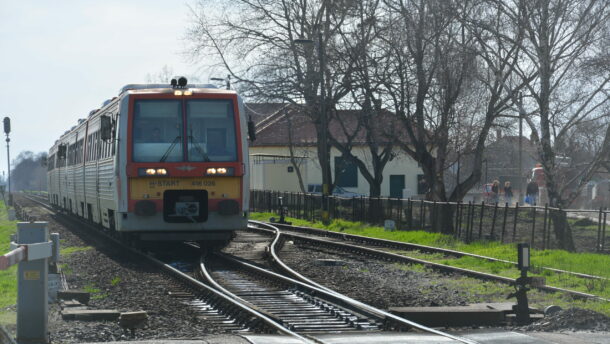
{"points": [[346, 173]]}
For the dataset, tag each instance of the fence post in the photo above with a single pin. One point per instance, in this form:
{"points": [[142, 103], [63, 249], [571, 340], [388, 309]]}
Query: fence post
{"points": [[599, 230], [481, 219], [421, 216], [504, 222], [410, 214], [32, 294], [457, 220], [515, 222], [472, 219], [493, 222], [604, 233], [401, 208], [546, 211], [433, 216], [468, 229], [533, 226]]}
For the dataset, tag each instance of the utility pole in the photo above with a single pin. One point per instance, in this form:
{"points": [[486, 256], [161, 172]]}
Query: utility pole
{"points": [[7, 130], [326, 174], [520, 173]]}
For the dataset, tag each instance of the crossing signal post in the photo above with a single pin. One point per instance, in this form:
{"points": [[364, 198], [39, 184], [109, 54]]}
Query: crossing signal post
{"points": [[7, 130]]}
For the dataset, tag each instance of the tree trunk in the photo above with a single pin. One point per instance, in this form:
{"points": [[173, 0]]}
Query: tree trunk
{"points": [[562, 230], [444, 218]]}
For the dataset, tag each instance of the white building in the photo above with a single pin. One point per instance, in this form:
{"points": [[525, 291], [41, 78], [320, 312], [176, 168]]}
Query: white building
{"points": [[273, 169]]}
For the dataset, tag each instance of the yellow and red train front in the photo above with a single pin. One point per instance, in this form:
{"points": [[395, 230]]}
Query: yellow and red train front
{"points": [[185, 162]]}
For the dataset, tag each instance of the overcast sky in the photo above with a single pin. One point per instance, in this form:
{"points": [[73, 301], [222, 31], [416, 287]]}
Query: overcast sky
{"points": [[61, 59]]}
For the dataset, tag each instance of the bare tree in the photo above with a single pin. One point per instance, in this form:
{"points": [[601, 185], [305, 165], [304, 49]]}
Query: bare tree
{"points": [[256, 42], [364, 69], [559, 37], [452, 80]]}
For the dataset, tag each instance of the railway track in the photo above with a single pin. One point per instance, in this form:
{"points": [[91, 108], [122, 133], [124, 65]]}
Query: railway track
{"points": [[243, 297], [299, 304], [375, 248], [218, 308]]}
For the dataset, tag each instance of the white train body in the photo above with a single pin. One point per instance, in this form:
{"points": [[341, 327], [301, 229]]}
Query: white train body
{"points": [[174, 167]]}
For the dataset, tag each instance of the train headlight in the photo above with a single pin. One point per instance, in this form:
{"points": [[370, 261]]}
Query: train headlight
{"points": [[177, 93], [188, 93], [220, 171], [146, 171]]}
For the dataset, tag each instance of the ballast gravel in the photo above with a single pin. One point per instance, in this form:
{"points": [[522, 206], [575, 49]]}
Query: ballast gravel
{"points": [[116, 280], [383, 285]]}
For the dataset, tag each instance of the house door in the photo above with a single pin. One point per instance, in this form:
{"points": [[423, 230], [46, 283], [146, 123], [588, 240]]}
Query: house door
{"points": [[397, 184]]}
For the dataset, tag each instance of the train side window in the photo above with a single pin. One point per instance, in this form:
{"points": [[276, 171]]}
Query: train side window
{"points": [[70, 148], [97, 145], [79, 151], [51, 162], [88, 158]]}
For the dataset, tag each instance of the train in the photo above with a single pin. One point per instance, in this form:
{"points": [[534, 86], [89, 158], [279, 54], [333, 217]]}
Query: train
{"points": [[158, 162]]}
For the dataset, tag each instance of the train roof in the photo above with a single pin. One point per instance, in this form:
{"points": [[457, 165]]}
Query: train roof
{"points": [[168, 87]]}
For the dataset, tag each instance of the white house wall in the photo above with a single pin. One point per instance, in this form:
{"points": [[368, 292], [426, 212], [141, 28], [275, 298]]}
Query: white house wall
{"points": [[275, 176]]}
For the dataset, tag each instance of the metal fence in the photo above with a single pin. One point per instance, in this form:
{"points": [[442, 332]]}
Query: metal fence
{"points": [[466, 221]]}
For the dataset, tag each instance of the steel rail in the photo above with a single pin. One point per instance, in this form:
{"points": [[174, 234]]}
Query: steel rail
{"points": [[410, 246], [193, 283], [270, 318], [436, 266], [383, 315]]}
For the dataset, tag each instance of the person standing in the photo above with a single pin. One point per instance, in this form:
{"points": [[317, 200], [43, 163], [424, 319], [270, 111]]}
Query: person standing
{"points": [[495, 191], [508, 193], [532, 192]]}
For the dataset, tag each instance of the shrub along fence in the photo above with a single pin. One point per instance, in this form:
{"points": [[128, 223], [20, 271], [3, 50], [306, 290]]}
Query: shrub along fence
{"points": [[465, 221]]}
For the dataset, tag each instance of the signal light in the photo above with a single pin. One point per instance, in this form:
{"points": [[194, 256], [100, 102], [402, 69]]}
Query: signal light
{"points": [[210, 171], [161, 171]]}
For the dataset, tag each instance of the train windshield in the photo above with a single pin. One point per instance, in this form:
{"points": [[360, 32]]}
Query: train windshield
{"points": [[157, 131], [210, 130]]}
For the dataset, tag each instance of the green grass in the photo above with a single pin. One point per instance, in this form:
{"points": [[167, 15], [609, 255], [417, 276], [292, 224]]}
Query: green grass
{"points": [[96, 293], [8, 278], [64, 251], [587, 263], [115, 281], [65, 269]]}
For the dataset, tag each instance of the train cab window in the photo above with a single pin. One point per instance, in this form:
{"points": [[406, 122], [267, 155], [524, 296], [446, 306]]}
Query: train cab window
{"points": [[51, 162], [157, 131], [211, 130]]}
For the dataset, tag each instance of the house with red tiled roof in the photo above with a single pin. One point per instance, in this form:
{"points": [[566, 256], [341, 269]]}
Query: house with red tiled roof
{"points": [[286, 147]]}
